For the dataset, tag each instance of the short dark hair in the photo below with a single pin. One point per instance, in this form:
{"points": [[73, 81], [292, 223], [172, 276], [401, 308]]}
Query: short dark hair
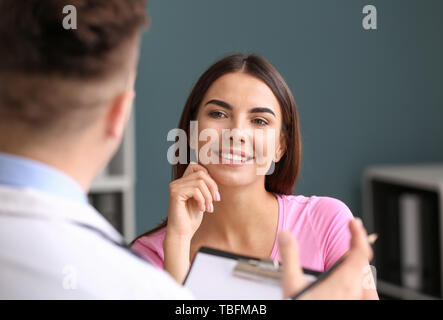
{"points": [[43, 66]]}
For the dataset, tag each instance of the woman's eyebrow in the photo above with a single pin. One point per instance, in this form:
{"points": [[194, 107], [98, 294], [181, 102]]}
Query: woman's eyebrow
{"points": [[219, 103], [261, 110], [229, 107]]}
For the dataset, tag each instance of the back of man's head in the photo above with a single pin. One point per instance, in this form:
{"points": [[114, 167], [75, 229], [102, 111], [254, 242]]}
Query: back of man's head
{"points": [[53, 78]]}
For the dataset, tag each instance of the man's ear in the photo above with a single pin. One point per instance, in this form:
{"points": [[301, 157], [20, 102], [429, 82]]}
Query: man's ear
{"points": [[281, 149], [118, 114]]}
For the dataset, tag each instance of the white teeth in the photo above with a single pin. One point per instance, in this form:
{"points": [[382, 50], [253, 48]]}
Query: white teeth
{"points": [[234, 157]]}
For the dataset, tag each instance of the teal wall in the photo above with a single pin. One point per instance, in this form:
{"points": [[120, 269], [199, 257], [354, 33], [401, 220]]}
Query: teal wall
{"points": [[364, 97]]}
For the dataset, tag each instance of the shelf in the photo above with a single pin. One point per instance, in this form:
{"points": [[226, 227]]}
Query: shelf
{"points": [[429, 176], [111, 184], [401, 292], [404, 205]]}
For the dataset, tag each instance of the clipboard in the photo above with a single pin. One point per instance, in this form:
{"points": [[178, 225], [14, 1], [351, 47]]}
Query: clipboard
{"points": [[221, 275]]}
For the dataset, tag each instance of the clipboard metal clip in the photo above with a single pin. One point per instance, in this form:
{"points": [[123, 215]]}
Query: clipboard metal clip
{"points": [[265, 270]]}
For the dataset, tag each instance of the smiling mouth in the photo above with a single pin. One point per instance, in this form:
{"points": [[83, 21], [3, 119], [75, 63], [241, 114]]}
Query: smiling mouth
{"points": [[233, 157]]}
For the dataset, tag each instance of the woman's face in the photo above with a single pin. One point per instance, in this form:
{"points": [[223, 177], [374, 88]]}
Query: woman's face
{"points": [[239, 123]]}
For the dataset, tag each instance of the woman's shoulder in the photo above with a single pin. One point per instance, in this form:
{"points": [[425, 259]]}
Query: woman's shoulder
{"points": [[150, 247], [153, 238], [317, 207]]}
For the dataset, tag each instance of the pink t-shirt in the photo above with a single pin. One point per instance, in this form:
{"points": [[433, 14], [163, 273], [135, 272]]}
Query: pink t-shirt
{"points": [[319, 224]]}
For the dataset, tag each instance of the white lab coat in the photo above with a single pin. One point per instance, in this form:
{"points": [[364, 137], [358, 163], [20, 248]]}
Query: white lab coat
{"points": [[46, 254]]}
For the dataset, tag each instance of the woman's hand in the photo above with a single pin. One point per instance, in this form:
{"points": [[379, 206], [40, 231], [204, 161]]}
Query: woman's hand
{"points": [[190, 197]]}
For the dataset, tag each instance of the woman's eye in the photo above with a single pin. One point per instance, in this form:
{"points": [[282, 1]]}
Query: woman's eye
{"points": [[260, 122], [217, 114]]}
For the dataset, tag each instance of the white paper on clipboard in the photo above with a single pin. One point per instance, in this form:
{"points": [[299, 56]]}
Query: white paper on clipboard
{"points": [[211, 278]]}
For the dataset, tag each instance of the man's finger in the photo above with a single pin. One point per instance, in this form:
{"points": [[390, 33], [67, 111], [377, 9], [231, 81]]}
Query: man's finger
{"points": [[359, 239], [293, 279]]}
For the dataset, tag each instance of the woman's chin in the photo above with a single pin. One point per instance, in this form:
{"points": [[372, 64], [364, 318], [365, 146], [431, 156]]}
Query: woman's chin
{"points": [[230, 177]]}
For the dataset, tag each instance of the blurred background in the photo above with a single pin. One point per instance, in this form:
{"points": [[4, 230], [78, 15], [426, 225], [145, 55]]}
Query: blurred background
{"points": [[365, 98]]}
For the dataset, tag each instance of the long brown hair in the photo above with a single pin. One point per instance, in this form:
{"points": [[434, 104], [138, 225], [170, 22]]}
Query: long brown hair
{"points": [[282, 180]]}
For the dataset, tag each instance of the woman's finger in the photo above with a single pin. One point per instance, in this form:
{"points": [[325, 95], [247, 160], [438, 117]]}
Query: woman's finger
{"points": [[201, 184], [204, 190], [196, 195], [211, 184], [194, 167]]}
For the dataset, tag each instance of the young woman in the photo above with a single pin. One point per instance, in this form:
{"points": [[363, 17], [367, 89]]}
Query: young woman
{"points": [[228, 205]]}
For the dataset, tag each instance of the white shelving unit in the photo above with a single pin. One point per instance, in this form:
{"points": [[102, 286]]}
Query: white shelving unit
{"points": [[112, 193], [393, 182]]}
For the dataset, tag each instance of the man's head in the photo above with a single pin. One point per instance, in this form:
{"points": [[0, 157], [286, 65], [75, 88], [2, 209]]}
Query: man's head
{"points": [[63, 89]]}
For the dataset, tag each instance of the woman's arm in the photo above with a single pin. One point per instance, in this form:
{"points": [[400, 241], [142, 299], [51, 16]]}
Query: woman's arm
{"points": [[177, 250]]}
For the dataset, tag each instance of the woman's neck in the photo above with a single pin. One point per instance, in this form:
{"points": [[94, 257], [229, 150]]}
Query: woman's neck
{"points": [[241, 215]]}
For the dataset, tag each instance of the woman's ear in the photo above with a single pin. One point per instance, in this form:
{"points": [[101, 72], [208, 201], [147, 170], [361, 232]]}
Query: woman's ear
{"points": [[280, 150]]}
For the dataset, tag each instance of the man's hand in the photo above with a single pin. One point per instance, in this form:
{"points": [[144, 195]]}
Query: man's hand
{"points": [[348, 281]]}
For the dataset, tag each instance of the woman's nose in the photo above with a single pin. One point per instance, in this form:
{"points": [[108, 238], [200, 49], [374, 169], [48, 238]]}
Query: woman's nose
{"points": [[237, 134]]}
